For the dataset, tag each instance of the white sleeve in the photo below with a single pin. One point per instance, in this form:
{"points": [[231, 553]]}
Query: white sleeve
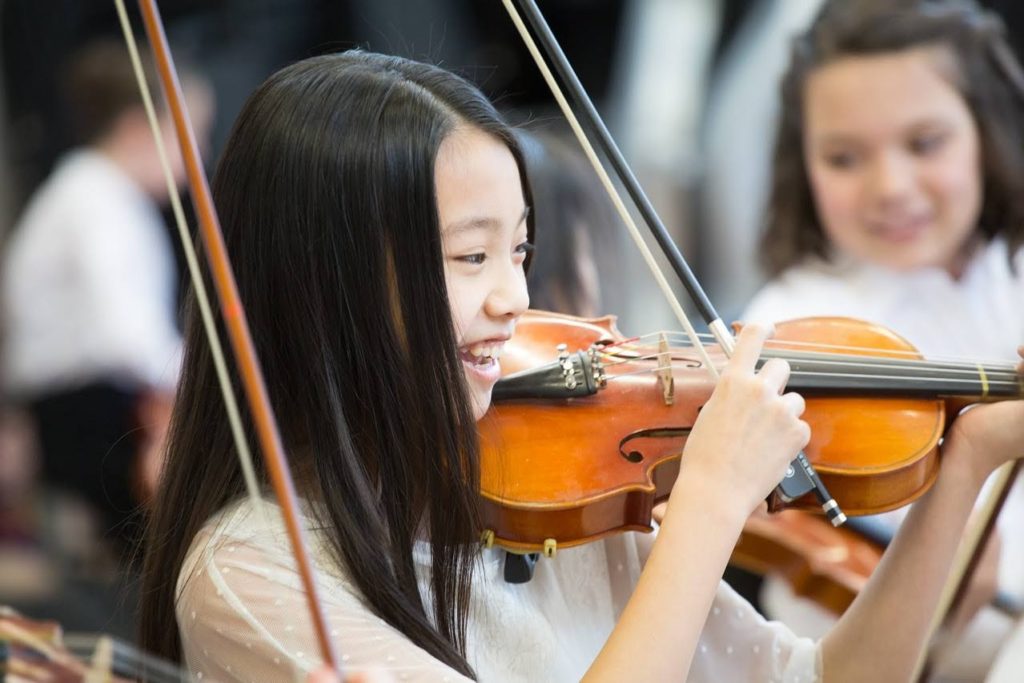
{"points": [[738, 644], [243, 617]]}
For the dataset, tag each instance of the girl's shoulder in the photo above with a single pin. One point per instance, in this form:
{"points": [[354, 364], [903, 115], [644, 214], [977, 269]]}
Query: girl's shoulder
{"points": [[256, 532], [996, 260], [243, 615]]}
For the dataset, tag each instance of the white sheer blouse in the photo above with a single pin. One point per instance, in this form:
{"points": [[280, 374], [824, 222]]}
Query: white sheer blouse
{"points": [[242, 615]]}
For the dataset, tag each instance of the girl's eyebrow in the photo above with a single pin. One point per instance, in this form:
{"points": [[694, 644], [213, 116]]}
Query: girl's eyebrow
{"points": [[481, 223], [839, 137], [831, 138]]}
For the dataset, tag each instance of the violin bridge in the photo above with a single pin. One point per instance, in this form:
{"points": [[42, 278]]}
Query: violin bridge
{"points": [[665, 378]]}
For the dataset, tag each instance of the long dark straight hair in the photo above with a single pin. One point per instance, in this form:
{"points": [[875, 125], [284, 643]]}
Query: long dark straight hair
{"points": [[327, 197], [988, 77]]}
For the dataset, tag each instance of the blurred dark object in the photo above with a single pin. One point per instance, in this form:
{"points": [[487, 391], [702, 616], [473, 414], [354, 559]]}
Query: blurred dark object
{"points": [[1012, 12], [238, 43]]}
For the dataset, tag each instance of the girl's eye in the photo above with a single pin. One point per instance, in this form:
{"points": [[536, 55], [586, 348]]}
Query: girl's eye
{"points": [[525, 248], [473, 259], [926, 144], [840, 160]]}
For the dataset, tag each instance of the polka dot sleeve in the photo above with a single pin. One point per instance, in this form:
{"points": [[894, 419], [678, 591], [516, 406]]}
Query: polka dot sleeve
{"points": [[738, 644], [243, 618]]}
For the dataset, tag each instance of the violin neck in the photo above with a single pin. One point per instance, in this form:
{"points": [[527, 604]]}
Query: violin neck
{"points": [[817, 375]]}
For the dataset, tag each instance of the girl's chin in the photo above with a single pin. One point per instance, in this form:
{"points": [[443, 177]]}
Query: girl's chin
{"points": [[481, 380], [910, 260], [481, 403]]}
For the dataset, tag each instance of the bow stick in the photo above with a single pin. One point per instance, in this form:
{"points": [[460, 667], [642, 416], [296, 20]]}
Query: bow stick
{"points": [[966, 561], [801, 476], [237, 326]]}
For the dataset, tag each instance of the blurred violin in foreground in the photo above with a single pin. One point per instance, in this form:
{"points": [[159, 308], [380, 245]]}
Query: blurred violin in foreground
{"points": [[587, 427], [39, 651]]}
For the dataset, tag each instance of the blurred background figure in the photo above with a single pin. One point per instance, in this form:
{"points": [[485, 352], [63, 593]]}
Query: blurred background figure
{"points": [[576, 227], [895, 198], [90, 349], [89, 291], [736, 143]]}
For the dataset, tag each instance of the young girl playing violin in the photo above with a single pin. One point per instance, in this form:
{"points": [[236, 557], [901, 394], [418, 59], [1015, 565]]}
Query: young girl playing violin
{"points": [[896, 196], [378, 217]]}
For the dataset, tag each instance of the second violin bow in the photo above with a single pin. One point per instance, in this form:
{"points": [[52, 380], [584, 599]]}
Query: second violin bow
{"points": [[801, 477]]}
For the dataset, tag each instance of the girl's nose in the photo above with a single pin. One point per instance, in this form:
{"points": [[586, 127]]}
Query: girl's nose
{"points": [[508, 297], [892, 177]]}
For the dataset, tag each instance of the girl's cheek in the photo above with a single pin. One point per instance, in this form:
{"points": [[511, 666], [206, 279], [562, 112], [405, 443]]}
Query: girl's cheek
{"points": [[834, 197]]}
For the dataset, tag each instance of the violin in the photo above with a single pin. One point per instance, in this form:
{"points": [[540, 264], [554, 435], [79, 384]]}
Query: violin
{"points": [[32, 650], [822, 563], [587, 427]]}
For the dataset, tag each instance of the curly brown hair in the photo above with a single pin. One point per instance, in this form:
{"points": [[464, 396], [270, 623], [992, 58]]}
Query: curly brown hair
{"points": [[988, 77]]}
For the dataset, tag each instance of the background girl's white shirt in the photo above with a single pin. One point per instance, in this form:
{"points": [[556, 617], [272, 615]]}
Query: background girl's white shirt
{"points": [[242, 615], [89, 285], [978, 317]]}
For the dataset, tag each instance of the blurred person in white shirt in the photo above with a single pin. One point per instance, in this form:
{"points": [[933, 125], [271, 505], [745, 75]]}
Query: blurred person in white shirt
{"points": [[89, 292]]}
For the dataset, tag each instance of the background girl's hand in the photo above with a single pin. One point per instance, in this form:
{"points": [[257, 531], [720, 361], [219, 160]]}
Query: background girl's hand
{"points": [[749, 430], [988, 435]]}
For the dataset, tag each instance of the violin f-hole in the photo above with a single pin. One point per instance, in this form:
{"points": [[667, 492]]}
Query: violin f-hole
{"points": [[636, 456]]}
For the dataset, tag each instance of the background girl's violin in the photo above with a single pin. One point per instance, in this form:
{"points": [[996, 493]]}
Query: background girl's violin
{"points": [[822, 563], [587, 429]]}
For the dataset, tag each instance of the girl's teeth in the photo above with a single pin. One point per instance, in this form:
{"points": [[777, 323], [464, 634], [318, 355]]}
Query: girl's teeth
{"points": [[485, 350]]}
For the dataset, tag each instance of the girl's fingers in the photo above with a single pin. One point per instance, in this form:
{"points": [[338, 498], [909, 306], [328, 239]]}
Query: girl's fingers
{"points": [[775, 373], [794, 403], [748, 348], [323, 675]]}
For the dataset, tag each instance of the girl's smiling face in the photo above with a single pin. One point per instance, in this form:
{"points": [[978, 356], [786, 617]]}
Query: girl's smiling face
{"points": [[894, 159], [484, 232]]}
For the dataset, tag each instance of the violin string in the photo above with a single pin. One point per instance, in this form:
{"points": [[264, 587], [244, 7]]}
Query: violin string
{"points": [[858, 350], [786, 344], [992, 377], [1003, 370], [821, 346], [816, 354], [993, 384]]}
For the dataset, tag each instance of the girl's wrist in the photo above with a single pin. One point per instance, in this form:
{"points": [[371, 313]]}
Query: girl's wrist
{"points": [[722, 507]]}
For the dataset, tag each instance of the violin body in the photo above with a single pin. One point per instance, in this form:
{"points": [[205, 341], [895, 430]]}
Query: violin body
{"points": [[561, 472]]}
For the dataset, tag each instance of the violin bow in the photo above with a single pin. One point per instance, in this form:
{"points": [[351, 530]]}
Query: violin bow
{"points": [[801, 476], [967, 558], [236, 323]]}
